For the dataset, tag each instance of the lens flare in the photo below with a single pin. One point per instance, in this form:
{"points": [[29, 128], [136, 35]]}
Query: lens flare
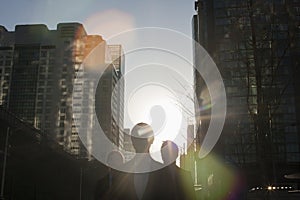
{"points": [[109, 23], [158, 67]]}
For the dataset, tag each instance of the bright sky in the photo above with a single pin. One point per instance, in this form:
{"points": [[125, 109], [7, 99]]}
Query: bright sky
{"points": [[111, 17], [172, 14]]}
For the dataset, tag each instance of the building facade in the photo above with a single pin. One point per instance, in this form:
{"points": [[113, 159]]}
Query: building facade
{"points": [[117, 58], [129, 151], [255, 45], [38, 67]]}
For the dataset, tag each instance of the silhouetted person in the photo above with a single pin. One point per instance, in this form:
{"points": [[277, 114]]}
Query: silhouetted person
{"points": [[176, 183], [112, 185], [142, 185]]}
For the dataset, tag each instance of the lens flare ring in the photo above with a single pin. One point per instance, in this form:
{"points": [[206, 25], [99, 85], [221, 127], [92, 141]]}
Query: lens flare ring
{"points": [[92, 71]]}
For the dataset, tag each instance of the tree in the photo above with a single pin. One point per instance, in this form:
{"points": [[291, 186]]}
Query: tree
{"points": [[264, 34], [254, 44]]}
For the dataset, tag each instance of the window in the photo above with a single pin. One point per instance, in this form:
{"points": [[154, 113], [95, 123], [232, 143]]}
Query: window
{"points": [[40, 90], [7, 63], [61, 124], [44, 54], [7, 69], [43, 62], [292, 148]]}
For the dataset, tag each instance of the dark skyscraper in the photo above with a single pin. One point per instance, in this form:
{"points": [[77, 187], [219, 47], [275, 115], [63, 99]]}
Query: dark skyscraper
{"points": [[255, 45], [38, 67]]}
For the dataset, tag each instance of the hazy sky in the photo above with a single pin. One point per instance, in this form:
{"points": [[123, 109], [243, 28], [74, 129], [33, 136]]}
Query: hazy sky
{"points": [[173, 14]]}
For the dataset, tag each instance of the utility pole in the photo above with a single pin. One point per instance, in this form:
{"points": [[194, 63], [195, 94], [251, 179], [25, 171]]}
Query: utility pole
{"points": [[4, 165], [80, 183]]}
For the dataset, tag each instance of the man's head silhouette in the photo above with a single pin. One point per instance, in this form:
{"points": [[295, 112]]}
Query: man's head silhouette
{"points": [[169, 152], [142, 137]]}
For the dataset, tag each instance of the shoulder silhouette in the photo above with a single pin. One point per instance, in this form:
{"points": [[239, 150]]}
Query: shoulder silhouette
{"points": [[176, 183]]}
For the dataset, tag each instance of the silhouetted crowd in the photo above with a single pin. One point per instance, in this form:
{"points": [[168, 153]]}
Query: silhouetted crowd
{"points": [[148, 179]]}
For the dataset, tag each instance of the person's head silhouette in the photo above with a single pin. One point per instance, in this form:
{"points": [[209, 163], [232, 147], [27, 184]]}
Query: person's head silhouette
{"points": [[169, 152], [115, 159], [142, 137]]}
